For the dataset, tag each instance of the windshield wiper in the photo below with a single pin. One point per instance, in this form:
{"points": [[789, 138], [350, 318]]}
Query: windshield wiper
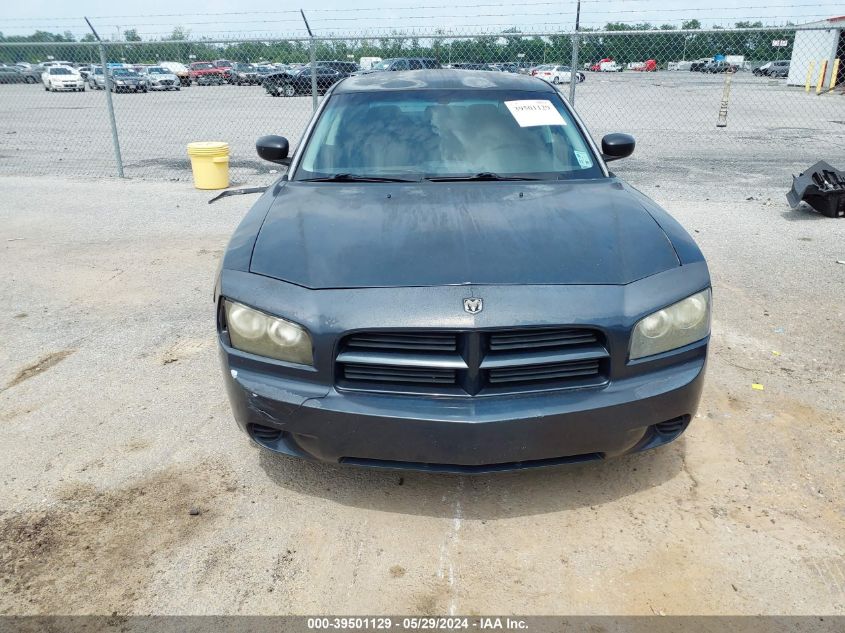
{"points": [[484, 175], [356, 178]]}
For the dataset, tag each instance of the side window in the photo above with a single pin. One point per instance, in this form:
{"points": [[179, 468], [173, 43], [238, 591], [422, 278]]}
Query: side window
{"points": [[400, 64], [416, 64]]}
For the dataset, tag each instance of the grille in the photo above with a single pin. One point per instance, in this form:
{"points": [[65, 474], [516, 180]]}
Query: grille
{"points": [[392, 373], [264, 433], [404, 341], [673, 426], [544, 373], [473, 363], [545, 338]]}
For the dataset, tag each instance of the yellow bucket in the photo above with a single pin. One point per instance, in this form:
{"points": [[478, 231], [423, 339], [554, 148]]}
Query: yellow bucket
{"points": [[210, 164]]}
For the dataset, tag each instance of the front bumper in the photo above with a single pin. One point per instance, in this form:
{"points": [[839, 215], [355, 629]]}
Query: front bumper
{"points": [[69, 87], [472, 434]]}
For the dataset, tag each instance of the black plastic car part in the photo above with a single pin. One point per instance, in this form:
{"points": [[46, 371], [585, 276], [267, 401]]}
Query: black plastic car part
{"points": [[822, 187]]}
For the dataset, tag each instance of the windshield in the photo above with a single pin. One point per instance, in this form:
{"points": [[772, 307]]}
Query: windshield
{"points": [[447, 133], [201, 66], [157, 70], [121, 72], [383, 65], [60, 71]]}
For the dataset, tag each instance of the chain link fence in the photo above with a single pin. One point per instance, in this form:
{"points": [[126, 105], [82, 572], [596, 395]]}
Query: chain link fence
{"points": [[716, 94]]}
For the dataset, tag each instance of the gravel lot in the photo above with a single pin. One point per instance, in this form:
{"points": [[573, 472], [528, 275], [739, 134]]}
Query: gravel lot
{"points": [[114, 424], [672, 114]]}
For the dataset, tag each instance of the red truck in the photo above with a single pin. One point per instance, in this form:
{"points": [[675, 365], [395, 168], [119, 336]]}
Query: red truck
{"points": [[206, 74], [648, 66]]}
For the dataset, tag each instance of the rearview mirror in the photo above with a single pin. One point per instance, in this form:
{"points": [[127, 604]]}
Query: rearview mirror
{"points": [[616, 146], [273, 148]]}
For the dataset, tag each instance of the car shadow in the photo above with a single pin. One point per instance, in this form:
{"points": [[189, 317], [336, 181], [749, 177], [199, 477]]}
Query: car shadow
{"points": [[802, 213], [492, 496]]}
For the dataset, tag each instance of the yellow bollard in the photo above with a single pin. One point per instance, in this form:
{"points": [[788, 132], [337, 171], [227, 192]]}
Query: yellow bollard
{"points": [[809, 75], [820, 82], [833, 74], [210, 164]]}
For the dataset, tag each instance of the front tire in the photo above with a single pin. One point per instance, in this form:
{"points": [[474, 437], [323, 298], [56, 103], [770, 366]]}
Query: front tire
{"points": [[556, 80], [30, 80], [289, 90]]}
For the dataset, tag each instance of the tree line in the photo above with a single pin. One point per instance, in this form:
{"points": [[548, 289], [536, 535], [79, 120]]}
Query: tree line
{"points": [[510, 45]]}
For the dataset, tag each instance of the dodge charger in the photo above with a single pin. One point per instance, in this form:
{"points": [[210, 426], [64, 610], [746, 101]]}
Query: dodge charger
{"points": [[449, 278]]}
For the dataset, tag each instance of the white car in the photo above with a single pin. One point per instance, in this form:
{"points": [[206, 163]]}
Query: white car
{"points": [[558, 74], [57, 78], [160, 78]]}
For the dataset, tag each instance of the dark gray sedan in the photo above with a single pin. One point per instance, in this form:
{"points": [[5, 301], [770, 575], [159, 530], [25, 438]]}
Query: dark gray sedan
{"points": [[12, 75], [449, 278]]}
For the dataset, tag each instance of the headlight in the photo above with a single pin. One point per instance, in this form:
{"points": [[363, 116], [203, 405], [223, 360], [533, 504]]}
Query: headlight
{"points": [[679, 324], [258, 333]]}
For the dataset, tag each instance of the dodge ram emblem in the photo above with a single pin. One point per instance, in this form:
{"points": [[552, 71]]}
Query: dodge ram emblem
{"points": [[473, 305]]}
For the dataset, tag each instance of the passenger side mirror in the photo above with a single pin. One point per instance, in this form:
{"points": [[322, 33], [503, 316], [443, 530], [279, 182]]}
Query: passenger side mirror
{"points": [[616, 146], [273, 148]]}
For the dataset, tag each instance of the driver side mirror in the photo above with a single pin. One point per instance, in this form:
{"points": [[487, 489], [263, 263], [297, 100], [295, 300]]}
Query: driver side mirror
{"points": [[616, 146], [273, 148]]}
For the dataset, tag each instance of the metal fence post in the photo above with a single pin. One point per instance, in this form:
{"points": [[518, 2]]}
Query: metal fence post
{"points": [[573, 67], [573, 75], [313, 46], [110, 106]]}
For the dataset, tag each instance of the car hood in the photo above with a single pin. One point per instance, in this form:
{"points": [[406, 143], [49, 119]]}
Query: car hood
{"points": [[334, 235]]}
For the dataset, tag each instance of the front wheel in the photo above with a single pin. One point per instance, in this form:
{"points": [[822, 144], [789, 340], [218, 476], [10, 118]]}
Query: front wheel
{"points": [[30, 80], [556, 80], [289, 90]]}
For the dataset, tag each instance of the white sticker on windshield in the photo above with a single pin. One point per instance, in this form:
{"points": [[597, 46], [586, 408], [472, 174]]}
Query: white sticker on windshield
{"points": [[583, 159], [531, 112]]}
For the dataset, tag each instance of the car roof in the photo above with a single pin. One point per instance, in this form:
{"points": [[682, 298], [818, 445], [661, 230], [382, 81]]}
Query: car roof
{"points": [[441, 79]]}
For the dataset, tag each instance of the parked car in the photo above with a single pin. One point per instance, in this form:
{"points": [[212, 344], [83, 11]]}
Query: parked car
{"points": [[243, 74], [180, 70], [84, 71], [559, 74], [96, 78], [699, 64], [779, 68], [471, 66], [402, 63], [57, 78], [561, 315], [45, 65], [125, 80], [12, 75], [206, 74], [294, 82], [722, 66], [159, 78], [263, 70], [344, 68]]}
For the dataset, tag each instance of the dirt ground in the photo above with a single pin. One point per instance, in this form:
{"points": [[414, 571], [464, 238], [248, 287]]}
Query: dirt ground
{"points": [[125, 485]]}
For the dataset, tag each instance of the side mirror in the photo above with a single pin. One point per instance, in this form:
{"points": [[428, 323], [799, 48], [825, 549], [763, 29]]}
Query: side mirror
{"points": [[273, 148], [616, 146]]}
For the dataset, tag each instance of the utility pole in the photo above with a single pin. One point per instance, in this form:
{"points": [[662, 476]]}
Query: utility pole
{"points": [[573, 72], [108, 84]]}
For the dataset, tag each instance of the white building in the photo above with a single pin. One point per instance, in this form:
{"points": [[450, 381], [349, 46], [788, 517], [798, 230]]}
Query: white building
{"points": [[814, 43]]}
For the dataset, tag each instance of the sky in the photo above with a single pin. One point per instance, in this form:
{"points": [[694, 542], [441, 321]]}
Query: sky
{"points": [[155, 19]]}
